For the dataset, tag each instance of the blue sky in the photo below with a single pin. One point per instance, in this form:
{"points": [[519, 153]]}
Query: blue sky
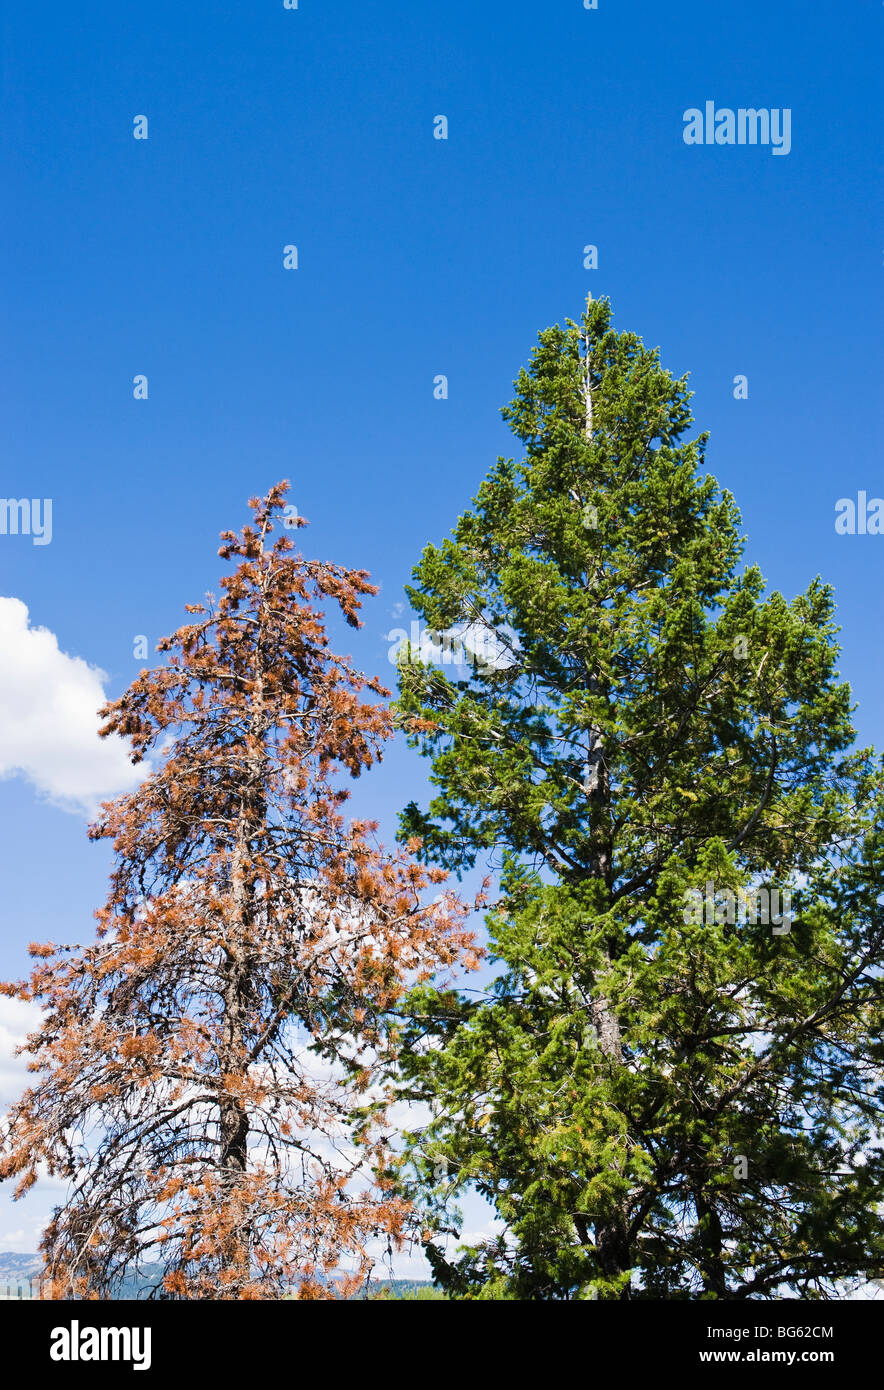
{"points": [[417, 256]]}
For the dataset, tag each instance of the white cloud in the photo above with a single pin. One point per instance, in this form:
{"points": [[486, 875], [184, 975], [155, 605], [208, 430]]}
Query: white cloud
{"points": [[21, 1225], [23, 1241], [18, 1018], [49, 723]]}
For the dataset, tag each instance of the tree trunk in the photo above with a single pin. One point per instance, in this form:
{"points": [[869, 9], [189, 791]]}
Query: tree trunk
{"points": [[234, 1121], [611, 1243], [237, 972], [711, 1236]]}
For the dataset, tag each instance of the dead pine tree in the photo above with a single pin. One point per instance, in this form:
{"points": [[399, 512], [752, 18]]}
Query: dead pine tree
{"points": [[208, 1069]]}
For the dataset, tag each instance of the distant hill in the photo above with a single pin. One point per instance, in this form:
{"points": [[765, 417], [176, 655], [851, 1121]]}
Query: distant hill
{"points": [[397, 1289], [15, 1269], [12, 1265], [10, 1262]]}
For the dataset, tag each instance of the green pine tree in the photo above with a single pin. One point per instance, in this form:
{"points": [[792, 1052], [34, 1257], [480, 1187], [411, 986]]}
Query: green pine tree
{"points": [[656, 1104]]}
